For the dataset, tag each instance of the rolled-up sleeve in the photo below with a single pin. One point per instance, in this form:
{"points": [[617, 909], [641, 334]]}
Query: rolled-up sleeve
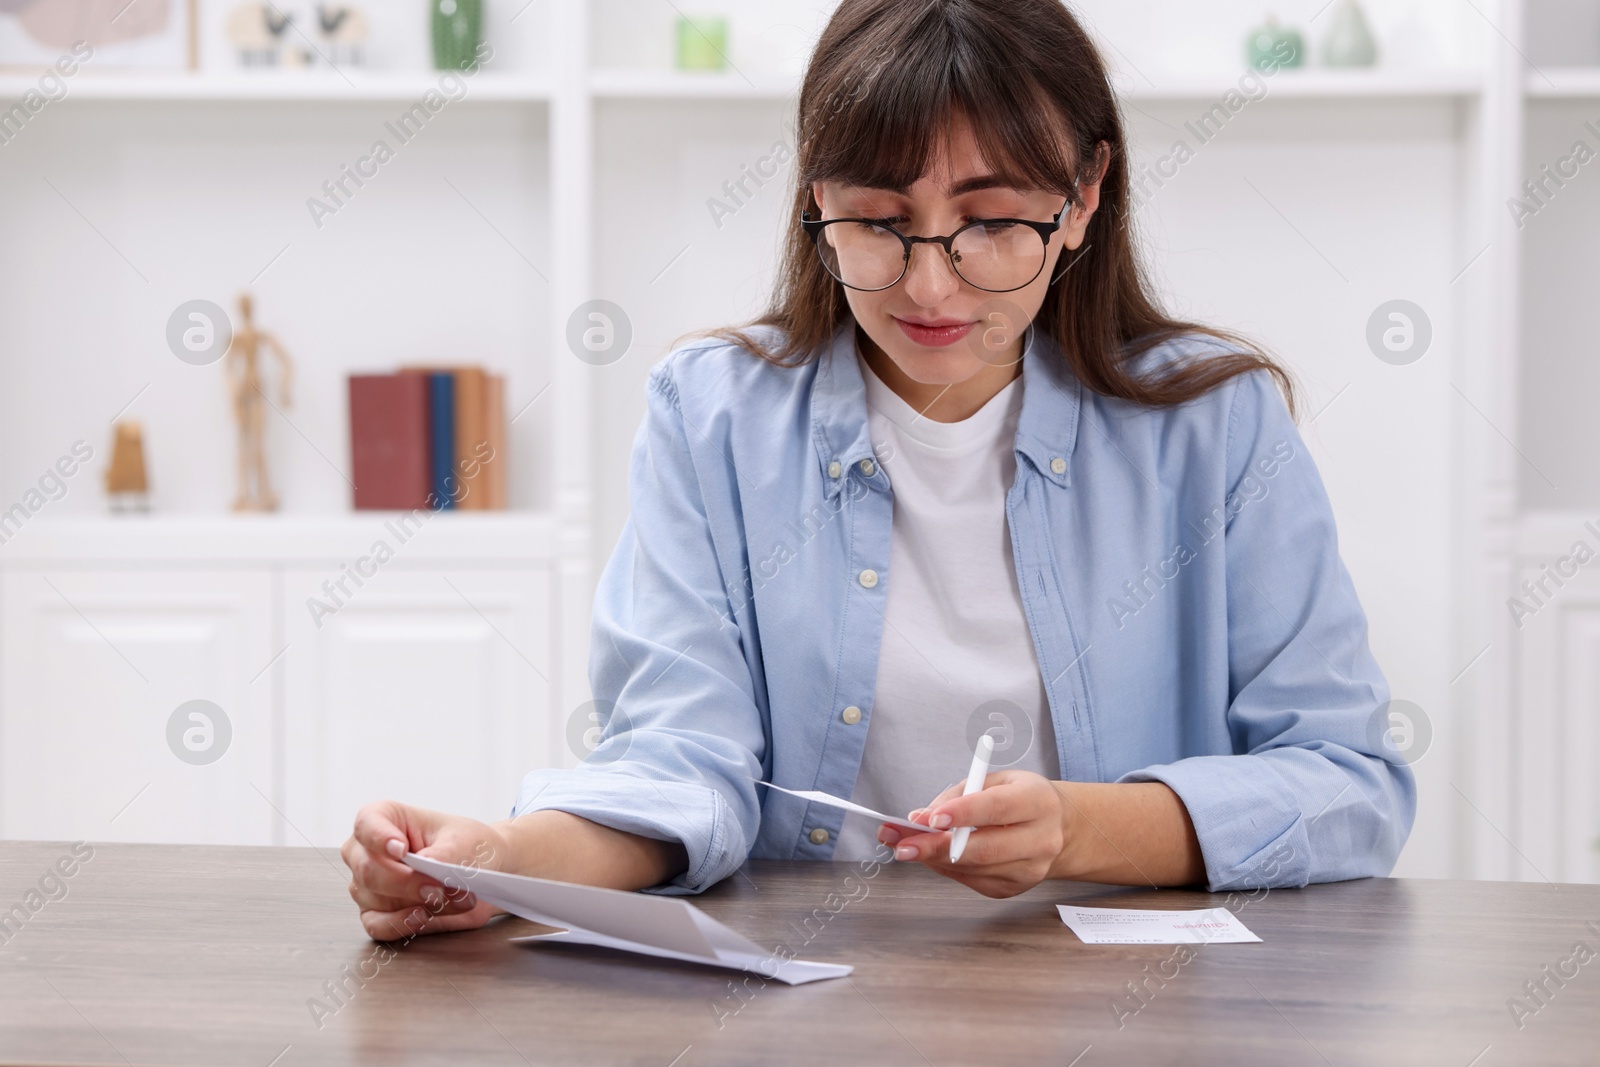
{"points": [[681, 735], [1310, 793]]}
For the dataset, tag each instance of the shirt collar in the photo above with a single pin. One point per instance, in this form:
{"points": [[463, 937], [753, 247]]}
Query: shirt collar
{"points": [[1047, 429]]}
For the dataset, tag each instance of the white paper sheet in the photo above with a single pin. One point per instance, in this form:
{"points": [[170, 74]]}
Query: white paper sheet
{"points": [[646, 923], [1130, 926], [816, 796]]}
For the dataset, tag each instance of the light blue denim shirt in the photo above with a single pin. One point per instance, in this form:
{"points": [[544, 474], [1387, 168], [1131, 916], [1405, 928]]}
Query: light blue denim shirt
{"points": [[1179, 571]]}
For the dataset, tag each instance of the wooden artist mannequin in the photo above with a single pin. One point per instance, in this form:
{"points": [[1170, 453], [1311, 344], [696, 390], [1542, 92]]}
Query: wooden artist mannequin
{"points": [[250, 407]]}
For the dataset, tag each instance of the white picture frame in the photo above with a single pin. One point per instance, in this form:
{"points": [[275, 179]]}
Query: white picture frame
{"points": [[121, 35]]}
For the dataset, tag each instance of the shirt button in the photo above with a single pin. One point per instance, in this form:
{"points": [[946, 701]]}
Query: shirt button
{"points": [[1058, 465], [834, 469], [869, 578], [819, 836], [851, 715], [867, 467]]}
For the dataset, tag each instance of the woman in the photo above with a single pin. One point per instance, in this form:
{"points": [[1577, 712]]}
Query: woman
{"points": [[948, 485]]}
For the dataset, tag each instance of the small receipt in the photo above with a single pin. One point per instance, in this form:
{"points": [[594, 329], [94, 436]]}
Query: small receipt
{"points": [[1128, 926]]}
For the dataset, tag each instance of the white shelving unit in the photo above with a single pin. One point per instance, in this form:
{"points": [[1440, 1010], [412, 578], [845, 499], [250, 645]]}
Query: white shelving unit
{"points": [[585, 170], [319, 88], [1317, 84], [345, 677], [446, 673], [1546, 497], [1312, 84], [1578, 83], [480, 538], [613, 84]]}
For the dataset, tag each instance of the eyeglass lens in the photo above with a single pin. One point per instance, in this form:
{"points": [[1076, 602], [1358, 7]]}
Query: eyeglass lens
{"points": [[994, 256]]}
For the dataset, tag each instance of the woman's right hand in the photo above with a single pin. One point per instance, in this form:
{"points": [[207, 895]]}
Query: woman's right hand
{"points": [[398, 902]]}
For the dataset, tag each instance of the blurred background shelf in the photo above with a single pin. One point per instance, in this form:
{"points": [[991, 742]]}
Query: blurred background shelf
{"points": [[1548, 83], [644, 84], [322, 88], [1312, 84], [474, 538], [1316, 84]]}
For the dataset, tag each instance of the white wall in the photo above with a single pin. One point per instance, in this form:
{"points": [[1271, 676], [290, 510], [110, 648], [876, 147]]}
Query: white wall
{"points": [[1305, 282]]}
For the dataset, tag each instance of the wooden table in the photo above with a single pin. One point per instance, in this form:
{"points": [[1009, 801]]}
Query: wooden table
{"points": [[196, 955]]}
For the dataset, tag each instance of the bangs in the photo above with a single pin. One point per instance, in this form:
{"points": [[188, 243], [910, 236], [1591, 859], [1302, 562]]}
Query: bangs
{"points": [[878, 115], [885, 86]]}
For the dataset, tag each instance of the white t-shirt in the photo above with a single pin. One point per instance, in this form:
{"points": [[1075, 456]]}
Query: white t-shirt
{"points": [[956, 659]]}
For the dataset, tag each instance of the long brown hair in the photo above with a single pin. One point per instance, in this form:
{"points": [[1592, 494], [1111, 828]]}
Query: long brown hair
{"points": [[882, 86]]}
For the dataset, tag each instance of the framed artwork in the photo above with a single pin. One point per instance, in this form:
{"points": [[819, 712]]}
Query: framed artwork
{"points": [[124, 34]]}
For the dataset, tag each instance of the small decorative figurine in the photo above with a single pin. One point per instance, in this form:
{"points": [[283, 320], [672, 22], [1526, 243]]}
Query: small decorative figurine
{"points": [[264, 36], [126, 482], [267, 34], [343, 32], [1349, 42], [1272, 45], [250, 406]]}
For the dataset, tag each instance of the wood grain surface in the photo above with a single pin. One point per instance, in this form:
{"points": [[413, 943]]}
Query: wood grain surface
{"points": [[161, 954]]}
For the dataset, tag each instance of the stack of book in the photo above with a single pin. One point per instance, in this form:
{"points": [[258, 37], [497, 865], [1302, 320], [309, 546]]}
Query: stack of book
{"points": [[428, 437]]}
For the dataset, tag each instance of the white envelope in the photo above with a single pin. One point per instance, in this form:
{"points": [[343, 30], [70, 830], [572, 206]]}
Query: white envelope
{"points": [[646, 923]]}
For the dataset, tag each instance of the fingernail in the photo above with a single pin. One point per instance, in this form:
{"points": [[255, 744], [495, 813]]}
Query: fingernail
{"points": [[941, 822], [396, 848], [469, 901], [432, 896], [905, 852]]}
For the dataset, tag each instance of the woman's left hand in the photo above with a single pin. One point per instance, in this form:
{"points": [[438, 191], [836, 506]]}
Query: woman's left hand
{"points": [[1020, 830]]}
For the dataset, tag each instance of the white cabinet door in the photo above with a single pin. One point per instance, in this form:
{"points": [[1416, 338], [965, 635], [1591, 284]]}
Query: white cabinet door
{"points": [[93, 666], [1556, 736], [430, 686]]}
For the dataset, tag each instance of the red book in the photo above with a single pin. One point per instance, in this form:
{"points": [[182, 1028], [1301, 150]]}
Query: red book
{"points": [[389, 441]]}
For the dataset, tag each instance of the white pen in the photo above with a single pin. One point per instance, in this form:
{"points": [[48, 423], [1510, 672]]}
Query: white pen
{"points": [[975, 777]]}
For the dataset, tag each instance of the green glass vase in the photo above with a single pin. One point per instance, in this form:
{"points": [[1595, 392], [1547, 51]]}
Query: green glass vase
{"points": [[1272, 46], [457, 32], [1349, 42]]}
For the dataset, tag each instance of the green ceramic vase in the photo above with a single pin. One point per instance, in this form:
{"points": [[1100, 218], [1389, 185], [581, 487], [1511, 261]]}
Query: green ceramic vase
{"points": [[1272, 45], [457, 32], [1349, 42]]}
